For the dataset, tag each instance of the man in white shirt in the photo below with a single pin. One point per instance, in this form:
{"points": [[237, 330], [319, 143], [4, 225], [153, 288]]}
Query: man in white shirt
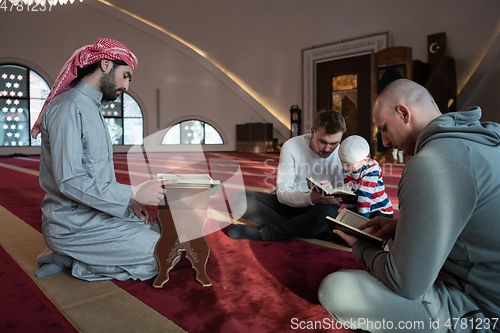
{"points": [[294, 210]]}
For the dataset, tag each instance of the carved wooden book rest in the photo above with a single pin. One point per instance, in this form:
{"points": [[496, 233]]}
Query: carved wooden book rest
{"points": [[182, 219]]}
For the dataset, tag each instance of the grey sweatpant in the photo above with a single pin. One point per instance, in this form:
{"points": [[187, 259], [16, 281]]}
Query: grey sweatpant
{"points": [[358, 300]]}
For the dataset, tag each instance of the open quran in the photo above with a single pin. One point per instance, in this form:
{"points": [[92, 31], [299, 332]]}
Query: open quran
{"points": [[191, 181], [348, 222], [345, 192]]}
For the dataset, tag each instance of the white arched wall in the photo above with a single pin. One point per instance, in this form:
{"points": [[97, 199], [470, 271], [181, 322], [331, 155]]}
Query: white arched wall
{"points": [[188, 84], [259, 42]]}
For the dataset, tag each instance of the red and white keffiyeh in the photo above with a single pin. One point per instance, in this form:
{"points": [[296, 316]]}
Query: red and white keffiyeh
{"points": [[103, 48]]}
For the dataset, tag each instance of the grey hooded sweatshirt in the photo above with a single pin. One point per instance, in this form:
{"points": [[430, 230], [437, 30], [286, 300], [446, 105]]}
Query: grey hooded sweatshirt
{"points": [[448, 232]]}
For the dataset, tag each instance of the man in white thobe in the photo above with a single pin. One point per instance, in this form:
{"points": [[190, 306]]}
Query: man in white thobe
{"points": [[90, 222]]}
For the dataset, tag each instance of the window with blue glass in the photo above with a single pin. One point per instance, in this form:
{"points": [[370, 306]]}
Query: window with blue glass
{"points": [[22, 94], [192, 131]]}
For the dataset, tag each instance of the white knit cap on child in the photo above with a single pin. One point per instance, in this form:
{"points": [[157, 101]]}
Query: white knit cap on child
{"points": [[353, 149]]}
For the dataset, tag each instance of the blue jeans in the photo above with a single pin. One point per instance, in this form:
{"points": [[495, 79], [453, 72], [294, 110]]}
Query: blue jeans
{"points": [[280, 222]]}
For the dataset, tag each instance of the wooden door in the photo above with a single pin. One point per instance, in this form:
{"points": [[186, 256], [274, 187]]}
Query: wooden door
{"points": [[356, 110]]}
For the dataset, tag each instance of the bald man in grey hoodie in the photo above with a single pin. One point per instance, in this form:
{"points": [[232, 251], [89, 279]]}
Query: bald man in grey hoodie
{"points": [[442, 273]]}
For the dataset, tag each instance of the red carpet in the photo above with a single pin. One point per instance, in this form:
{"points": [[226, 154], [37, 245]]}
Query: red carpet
{"points": [[257, 286], [24, 307]]}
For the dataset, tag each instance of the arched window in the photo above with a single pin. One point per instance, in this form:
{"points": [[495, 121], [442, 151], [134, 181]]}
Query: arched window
{"points": [[22, 94], [125, 122], [192, 131]]}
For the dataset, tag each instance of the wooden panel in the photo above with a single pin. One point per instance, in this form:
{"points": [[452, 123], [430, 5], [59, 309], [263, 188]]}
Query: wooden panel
{"points": [[436, 47], [242, 132], [254, 137], [442, 84], [389, 64], [361, 66], [393, 55]]}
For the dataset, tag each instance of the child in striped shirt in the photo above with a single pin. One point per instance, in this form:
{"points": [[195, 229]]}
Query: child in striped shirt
{"points": [[365, 176]]}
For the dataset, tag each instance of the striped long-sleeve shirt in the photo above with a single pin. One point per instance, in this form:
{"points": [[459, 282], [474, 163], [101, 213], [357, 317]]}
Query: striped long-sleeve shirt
{"points": [[368, 185]]}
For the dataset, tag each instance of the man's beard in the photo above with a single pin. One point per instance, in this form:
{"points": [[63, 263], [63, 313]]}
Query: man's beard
{"points": [[321, 153], [324, 154], [108, 86]]}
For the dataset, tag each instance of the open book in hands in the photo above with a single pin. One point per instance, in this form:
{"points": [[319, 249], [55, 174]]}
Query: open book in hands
{"points": [[348, 222], [191, 180], [345, 192]]}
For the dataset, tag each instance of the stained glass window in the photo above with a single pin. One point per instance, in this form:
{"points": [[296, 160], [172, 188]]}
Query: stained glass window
{"points": [[125, 122], [22, 94], [192, 132]]}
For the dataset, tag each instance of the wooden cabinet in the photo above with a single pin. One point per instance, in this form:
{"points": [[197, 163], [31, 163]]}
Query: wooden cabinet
{"points": [[441, 81], [254, 138]]}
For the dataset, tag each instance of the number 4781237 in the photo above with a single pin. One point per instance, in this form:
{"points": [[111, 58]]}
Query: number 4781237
{"points": [[28, 6], [472, 323]]}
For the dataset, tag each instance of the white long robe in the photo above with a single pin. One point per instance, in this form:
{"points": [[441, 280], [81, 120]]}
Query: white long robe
{"points": [[85, 211]]}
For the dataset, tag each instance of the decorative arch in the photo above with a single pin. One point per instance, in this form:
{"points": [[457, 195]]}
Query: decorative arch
{"points": [[125, 120], [192, 131], [23, 92]]}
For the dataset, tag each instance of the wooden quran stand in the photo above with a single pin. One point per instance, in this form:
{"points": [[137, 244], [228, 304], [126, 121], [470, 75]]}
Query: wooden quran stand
{"points": [[182, 219]]}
